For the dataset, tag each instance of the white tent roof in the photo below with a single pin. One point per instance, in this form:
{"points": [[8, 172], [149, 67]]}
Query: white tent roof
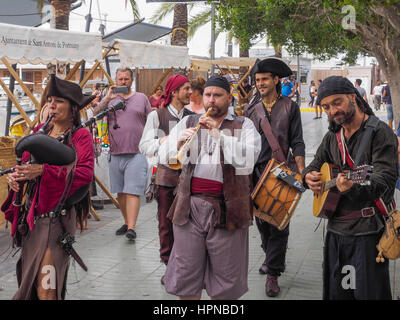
{"points": [[135, 54], [32, 45]]}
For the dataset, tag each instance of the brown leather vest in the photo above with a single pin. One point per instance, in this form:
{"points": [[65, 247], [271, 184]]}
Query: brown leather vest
{"points": [[164, 175], [238, 209], [280, 120]]}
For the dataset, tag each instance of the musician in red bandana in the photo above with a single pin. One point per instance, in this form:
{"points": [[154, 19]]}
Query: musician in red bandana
{"points": [[158, 125], [43, 264], [355, 137]]}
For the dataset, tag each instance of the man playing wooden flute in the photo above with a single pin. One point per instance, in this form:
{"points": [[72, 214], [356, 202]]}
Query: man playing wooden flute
{"points": [[212, 209]]}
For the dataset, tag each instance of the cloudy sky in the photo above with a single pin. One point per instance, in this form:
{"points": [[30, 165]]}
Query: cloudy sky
{"points": [[118, 16]]}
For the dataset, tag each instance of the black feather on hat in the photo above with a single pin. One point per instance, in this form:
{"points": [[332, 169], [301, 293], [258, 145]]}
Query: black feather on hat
{"points": [[272, 65], [68, 90]]}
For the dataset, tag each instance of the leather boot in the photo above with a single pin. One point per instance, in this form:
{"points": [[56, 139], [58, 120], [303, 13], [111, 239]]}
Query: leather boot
{"points": [[271, 286], [263, 268]]}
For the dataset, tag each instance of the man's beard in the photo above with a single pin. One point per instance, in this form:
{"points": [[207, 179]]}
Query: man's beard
{"points": [[184, 101], [266, 93], [217, 111], [347, 117]]}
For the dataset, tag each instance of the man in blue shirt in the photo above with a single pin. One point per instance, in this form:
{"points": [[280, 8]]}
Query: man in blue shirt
{"points": [[287, 88]]}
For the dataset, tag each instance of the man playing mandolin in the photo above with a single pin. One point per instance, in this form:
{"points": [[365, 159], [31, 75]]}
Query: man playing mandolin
{"points": [[350, 270]]}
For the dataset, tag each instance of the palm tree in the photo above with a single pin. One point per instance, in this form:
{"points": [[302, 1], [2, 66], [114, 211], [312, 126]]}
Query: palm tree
{"points": [[182, 28], [62, 11], [192, 25]]}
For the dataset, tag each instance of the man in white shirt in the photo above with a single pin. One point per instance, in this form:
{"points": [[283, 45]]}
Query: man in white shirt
{"points": [[212, 209], [157, 128], [377, 96]]}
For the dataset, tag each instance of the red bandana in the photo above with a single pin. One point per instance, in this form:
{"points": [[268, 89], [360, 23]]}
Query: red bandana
{"points": [[173, 83]]}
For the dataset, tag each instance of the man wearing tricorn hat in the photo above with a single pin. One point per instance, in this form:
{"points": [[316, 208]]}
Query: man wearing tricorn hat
{"points": [[284, 117], [350, 269]]}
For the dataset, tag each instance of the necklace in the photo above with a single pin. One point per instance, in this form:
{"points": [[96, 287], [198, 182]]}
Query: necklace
{"points": [[58, 133], [209, 147], [269, 105]]}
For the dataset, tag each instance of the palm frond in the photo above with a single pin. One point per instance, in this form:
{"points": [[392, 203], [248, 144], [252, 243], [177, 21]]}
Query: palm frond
{"points": [[198, 21], [135, 9], [39, 6], [190, 6], [164, 10]]}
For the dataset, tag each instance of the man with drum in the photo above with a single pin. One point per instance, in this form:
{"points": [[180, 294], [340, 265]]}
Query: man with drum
{"points": [[285, 120], [350, 268]]}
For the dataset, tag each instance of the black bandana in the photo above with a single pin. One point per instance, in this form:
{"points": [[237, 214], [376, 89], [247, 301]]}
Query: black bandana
{"points": [[340, 85], [218, 81]]}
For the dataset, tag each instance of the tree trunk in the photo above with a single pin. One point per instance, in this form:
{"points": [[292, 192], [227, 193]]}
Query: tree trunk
{"points": [[60, 18], [391, 70], [243, 53], [278, 51], [393, 79], [180, 25]]}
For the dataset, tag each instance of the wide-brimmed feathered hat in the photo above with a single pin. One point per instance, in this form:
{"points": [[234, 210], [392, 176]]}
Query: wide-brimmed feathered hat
{"points": [[272, 65], [68, 90]]}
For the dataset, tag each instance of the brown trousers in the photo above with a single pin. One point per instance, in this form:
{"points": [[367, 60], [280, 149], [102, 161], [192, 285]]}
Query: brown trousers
{"points": [[165, 199]]}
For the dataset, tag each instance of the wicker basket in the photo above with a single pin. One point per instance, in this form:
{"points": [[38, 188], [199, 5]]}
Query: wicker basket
{"points": [[7, 160]]}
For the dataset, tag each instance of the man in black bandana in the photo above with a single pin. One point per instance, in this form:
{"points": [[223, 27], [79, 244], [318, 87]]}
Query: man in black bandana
{"points": [[212, 210], [284, 117], [350, 270]]}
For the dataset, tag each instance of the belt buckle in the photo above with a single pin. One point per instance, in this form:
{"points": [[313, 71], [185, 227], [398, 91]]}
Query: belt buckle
{"points": [[369, 212]]}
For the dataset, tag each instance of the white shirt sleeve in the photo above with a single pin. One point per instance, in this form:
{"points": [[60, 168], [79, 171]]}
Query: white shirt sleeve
{"points": [[169, 148], [243, 148], [150, 142]]}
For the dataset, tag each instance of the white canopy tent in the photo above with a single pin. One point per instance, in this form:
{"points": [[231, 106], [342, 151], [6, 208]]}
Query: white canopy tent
{"points": [[135, 54], [32, 45]]}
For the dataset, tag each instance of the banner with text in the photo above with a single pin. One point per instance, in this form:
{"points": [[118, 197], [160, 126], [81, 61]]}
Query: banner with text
{"points": [[32, 45]]}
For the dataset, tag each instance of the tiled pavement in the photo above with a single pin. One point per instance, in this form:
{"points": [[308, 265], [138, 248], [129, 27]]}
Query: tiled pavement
{"points": [[120, 269]]}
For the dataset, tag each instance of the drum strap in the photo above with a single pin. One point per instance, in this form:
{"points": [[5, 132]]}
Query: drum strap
{"points": [[289, 179], [277, 152]]}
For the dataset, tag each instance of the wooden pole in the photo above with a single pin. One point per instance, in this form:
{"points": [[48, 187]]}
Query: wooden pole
{"points": [[165, 74], [16, 103], [106, 74], [238, 83], [73, 70], [108, 193], [89, 74], [21, 83], [94, 213]]}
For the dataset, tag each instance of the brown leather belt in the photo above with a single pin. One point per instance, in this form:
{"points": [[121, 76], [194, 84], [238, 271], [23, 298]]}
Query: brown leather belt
{"points": [[51, 215], [345, 215]]}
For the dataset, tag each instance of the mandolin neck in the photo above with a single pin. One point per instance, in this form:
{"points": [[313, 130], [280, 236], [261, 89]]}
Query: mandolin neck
{"points": [[331, 183]]}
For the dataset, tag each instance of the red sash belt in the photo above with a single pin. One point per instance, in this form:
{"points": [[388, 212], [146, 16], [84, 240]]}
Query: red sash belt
{"points": [[200, 185]]}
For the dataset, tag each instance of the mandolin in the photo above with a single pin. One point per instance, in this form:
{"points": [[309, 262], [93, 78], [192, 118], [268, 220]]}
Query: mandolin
{"points": [[326, 201]]}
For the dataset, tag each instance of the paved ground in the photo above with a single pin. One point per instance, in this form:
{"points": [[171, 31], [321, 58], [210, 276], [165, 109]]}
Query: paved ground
{"points": [[119, 269]]}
